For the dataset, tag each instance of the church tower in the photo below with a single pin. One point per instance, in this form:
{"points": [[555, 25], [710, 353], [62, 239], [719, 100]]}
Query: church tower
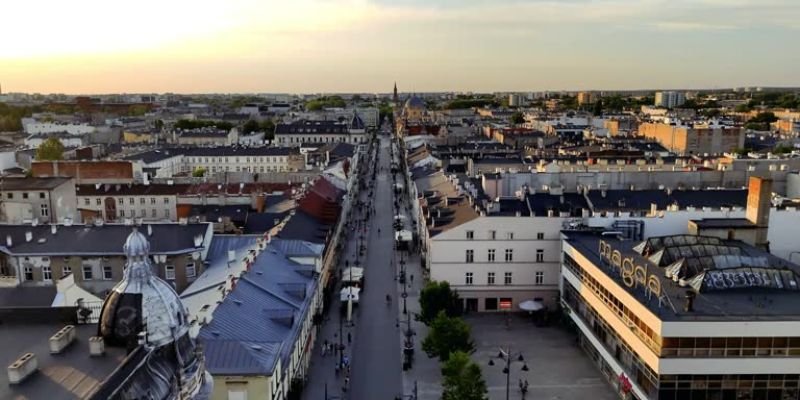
{"points": [[395, 99]]}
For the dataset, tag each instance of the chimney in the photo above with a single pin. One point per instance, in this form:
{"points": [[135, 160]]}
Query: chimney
{"points": [[689, 306], [759, 204]]}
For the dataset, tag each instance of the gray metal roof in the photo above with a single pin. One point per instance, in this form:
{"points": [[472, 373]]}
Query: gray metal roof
{"points": [[97, 240], [267, 307]]}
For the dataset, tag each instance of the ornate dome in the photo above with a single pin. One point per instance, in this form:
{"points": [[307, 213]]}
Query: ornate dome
{"points": [[415, 102], [141, 301], [136, 245]]}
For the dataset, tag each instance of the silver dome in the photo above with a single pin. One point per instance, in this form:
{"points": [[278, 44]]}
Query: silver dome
{"points": [[136, 245], [142, 301]]}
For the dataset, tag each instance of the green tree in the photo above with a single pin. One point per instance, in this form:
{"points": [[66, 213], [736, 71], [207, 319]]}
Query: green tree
{"points": [[462, 379], [598, 108], [436, 297], [199, 172], [250, 126], [447, 335], [325, 102], [50, 150], [137, 110], [158, 124], [268, 126], [517, 118]]}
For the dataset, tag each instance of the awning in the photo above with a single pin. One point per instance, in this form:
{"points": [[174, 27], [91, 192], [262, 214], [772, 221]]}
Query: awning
{"points": [[352, 274], [349, 293], [531, 305]]}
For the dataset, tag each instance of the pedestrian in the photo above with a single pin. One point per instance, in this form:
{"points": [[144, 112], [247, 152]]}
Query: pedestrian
{"points": [[412, 278], [346, 381], [349, 338]]}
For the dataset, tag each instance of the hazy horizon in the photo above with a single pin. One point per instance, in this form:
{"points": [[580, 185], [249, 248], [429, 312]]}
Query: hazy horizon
{"points": [[364, 46]]}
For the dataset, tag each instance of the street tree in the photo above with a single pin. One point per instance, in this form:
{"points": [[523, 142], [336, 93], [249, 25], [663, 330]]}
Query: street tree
{"points": [[517, 118], [199, 172], [462, 379], [250, 126], [50, 150], [598, 108], [446, 336], [436, 297]]}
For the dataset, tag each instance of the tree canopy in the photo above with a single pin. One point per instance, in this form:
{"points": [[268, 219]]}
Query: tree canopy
{"points": [[436, 297], [462, 379], [199, 172], [185, 124], [325, 102], [50, 150], [447, 335], [517, 118]]}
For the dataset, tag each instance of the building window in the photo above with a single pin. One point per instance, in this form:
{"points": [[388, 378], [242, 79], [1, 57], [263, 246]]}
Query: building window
{"points": [[86, 201], [470, 256], [108, 273], [490, 278], [468, 278], [25, 195], [141, 200], [510, 235], [191, 272], [470, 235], [10, 195], [130, 200], [539, 277], [507, 278], [166, 213], [493, 235], [66, 270], [152, 200], [169, 272], [45, 210], [166, 199], [87, 273], [142, 213], [509, 255], [28, 273], [490, 304], [540, 236], [98, 201], [41, 195], [490, 255], [539, 255], [153, 213], [47, 273]]}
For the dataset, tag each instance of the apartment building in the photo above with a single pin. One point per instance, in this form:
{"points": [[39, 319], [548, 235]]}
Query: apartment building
{"points": [[40, 255], [296, 133], [696, 138], [44, 200]]}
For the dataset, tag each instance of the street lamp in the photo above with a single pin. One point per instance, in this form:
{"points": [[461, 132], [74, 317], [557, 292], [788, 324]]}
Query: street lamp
{"points": [[508, 357]]}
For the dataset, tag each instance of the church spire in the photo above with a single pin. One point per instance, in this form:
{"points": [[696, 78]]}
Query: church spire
{"points": [[394, 97]]}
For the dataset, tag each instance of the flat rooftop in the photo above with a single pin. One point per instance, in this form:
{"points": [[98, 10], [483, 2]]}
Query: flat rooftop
{"points": [[70, 375], [740, 300]]}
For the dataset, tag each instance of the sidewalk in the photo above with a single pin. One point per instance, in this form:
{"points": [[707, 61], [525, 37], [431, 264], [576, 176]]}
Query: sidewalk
{"points": [[323, 379], [425, 372]]}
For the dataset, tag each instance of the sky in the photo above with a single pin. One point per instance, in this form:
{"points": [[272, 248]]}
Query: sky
{"points": [[313, 46]]}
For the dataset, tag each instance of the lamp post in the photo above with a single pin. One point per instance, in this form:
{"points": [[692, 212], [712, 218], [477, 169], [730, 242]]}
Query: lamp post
{"points": [[403, 281], [508, 357]]}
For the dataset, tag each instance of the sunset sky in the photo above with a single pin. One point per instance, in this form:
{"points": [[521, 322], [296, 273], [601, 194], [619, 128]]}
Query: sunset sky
{"points": [[94, 46]]}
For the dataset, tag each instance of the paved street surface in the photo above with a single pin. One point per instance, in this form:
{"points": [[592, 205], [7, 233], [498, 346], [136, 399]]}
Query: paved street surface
{"points": [[375, 350], [558, 369], [376, 357]]}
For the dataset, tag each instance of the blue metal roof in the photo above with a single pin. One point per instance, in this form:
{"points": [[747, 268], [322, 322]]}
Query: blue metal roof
{"points": [[266, 308]]}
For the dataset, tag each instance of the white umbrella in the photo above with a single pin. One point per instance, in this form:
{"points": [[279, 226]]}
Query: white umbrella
{"points": [[531, 305]]}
